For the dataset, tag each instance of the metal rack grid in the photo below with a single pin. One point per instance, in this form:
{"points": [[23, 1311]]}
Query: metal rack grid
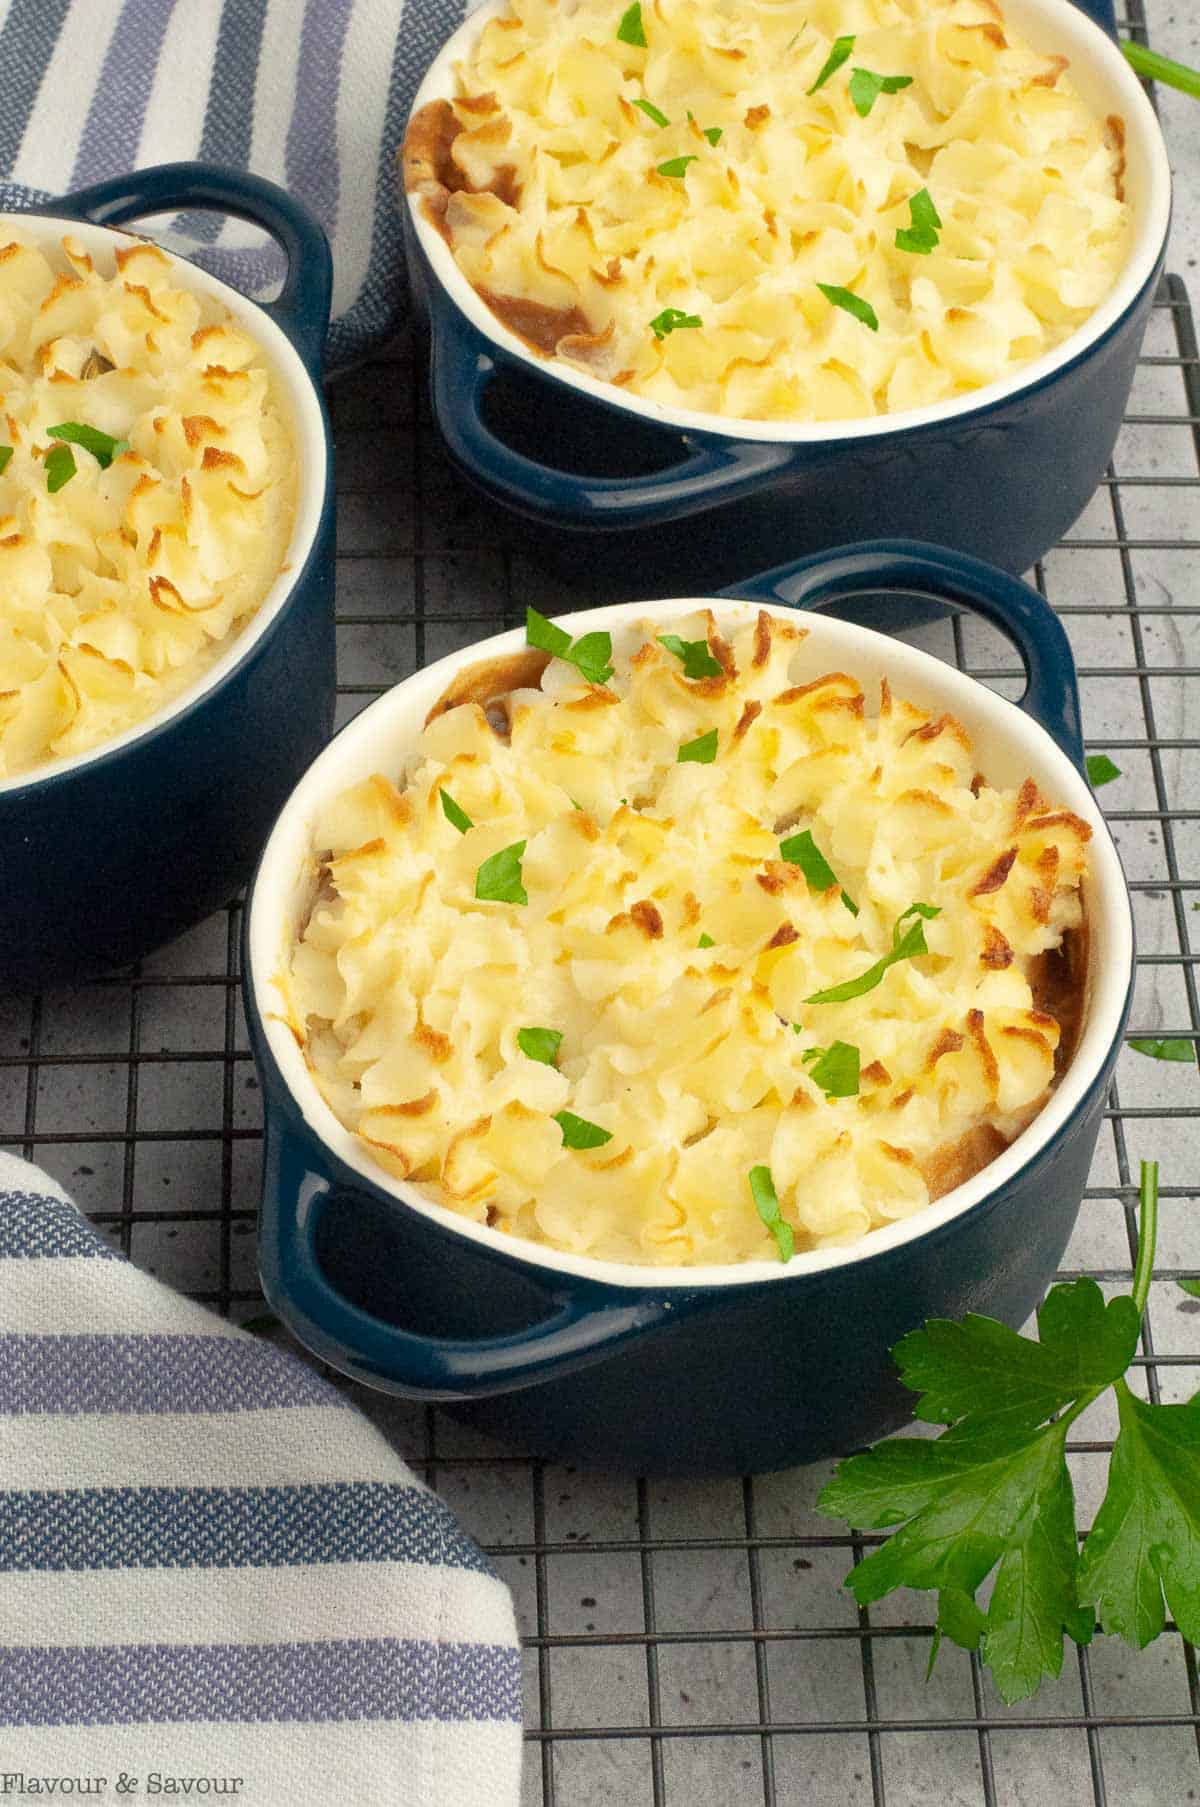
{"points": [[691, 1642]]}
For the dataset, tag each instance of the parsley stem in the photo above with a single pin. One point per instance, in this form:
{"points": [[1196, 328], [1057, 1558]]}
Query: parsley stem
{"points": [[1147, 1234], [1154, 66]]}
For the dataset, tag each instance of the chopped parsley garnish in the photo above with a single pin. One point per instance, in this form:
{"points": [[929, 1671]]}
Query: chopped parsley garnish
{"points": [[1190, 1287], [540, 1044], [837, 56], [907, 944], [577, 1132], [631, 30], [762, 1190], [801, 850], [60, 467], [670, 321], [713, 133], [6, 453], [836, 1069], [701, 751], [1172, 1048], [922, 235], [590, 654], [1100, 768], [851, 303], [102, 446], [453, 814], [653, 113], [498, 880], [676, 166], [695, 655], [706, 941], [993, 1493], [866, 87]]}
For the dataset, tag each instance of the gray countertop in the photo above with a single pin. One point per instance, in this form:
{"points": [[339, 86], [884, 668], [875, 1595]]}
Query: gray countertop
{"points": [[715, 1610]]}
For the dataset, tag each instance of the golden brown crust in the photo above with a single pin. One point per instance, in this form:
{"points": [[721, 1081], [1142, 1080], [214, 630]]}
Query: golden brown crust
{"points": [[490, 679]]}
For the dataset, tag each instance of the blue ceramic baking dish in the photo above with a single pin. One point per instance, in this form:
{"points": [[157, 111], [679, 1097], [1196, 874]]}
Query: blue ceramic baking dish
{"points": [[108, 854], [653, 498], [683, 1370]]}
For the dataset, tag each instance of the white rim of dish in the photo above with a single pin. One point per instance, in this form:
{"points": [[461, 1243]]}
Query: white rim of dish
{"points": [[1104, 79], [383, 735], [298, 393]]}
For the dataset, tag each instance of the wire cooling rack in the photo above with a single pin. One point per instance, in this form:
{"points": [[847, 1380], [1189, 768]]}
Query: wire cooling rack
{"points": [[690, 1644]]}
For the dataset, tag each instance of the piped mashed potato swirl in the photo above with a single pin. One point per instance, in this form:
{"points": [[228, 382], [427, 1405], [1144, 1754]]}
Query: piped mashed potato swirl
{"points": [[120, 587], [583, 220], [671, 943]]}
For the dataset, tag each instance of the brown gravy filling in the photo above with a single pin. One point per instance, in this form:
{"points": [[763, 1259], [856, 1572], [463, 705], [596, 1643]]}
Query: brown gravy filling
{"points": [[1057, 978], [429, 169]]}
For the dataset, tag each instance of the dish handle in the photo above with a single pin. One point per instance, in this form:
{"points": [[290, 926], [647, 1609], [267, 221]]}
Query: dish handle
{"points": [[302, 306], [584, 1321], [1051, 692], [463, 366], [1102, 13]]}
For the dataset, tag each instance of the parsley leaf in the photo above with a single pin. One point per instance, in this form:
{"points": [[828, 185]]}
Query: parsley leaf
{"points": [[801, 850], [839, 54], [921, 235], [1173, 1048], [60, 467], [670, 321], [701, 751], [706, 941], [1190, 1287], [102, 446], [714, 133], [6, 453], [540, 1044], [696, 656], [590, 654], [653, 113], [1145, 1540], [631, 30], [577, 1132], [835, 1069], [993, 1491], [866, 87], [1101, 770], [766, 1202], [454, 814], [498, 880], [850, 303], [907, 944], [676, 166]]}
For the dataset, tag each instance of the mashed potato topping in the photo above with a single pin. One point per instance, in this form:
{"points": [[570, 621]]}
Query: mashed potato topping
{"points": [[146, 492], [815, 210], [677, 911]]}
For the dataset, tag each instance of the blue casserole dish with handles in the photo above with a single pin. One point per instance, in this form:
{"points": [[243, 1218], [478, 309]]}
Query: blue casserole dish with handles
{"points": [[684, 1370], [108, 854], [700, 498]]}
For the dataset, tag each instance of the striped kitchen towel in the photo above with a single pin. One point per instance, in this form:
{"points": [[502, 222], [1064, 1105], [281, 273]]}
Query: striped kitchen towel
{"points": [[212, 1568], [310, 93]]}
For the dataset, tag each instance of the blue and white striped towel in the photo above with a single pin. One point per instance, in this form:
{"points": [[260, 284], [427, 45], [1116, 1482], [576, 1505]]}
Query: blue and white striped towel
{"points": [[312, 94], [212, 1567]]}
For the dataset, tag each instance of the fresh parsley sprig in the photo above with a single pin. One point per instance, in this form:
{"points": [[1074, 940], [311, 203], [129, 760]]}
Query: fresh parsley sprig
{"points": [[766, 1203], [993, 1492], [590, 654], [6, 452], [835, 1069]]}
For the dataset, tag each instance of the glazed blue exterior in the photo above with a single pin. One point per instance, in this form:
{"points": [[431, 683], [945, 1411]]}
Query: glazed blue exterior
{"points": [[641, 1380], [691, 510], [108, 860]]}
